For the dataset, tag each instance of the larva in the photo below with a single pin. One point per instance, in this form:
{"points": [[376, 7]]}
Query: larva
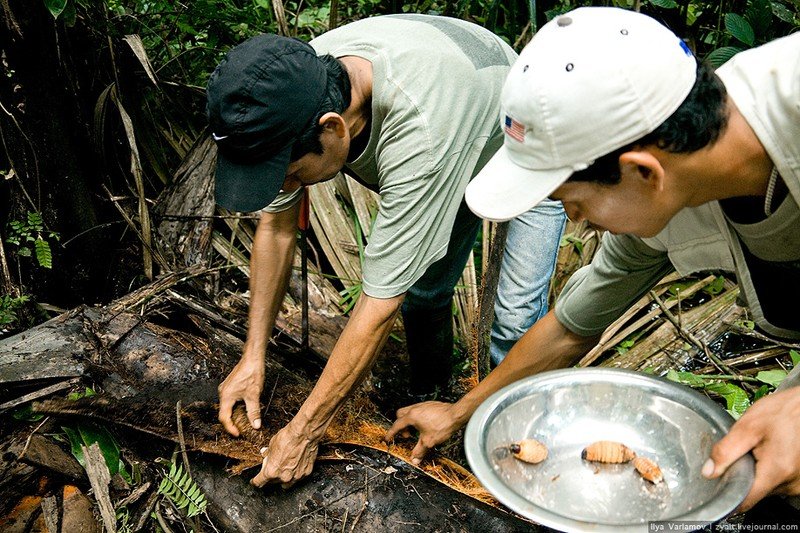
{"points": [[606, 451], [648, 469], [529, 450]]}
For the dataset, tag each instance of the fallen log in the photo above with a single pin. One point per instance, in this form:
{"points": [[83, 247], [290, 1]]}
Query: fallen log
{"points": [[141, 368], [352, 489]]}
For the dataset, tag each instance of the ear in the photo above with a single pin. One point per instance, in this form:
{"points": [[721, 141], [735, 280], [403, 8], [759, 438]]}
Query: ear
{"points": [[334, 123], [644, 165]]}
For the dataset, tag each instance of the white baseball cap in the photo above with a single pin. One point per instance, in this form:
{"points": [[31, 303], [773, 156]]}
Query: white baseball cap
{"points": [[590, 81]]}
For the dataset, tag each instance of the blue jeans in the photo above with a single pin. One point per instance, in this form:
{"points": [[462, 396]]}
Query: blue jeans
{"points": [[528, 264]]}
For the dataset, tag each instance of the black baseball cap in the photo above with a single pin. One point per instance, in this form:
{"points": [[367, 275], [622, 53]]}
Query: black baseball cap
{"points": [[261, 96]]}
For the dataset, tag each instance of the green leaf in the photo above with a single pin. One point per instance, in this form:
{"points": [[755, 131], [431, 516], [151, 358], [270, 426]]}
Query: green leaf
{"points": [[721, 55], [179, 487], [771, 377], [91, 433], [55, 7], [762, 391], [795, 357], [25, 252], [667, 4], [715, 287], [735, 398], [35, 219], [86, 393], [739, 28], [686, 378], [677, 288], [25, 413], [70, 14], [75, 443], [759, 15], [625, 345], [123, 472], [781, 11], [43, 254]]}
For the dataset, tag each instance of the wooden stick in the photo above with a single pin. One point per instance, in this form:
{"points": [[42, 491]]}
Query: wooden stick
{"points": [[39, 393], [690, 337], [181, 440], [489, 281]]}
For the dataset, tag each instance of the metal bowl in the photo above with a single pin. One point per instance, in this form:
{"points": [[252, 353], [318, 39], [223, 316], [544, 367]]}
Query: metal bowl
{"points": [[568, 410]]}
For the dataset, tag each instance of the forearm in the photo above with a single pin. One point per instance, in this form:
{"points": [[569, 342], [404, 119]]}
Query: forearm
{"points": [[349, 363], [270, 271], [546, 346]]}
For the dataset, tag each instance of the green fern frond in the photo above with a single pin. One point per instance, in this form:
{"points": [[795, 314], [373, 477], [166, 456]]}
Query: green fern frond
{"points": [[43, 254], [179, 487]]}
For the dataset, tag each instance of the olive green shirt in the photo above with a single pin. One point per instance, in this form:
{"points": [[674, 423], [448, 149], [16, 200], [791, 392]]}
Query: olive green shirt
{"points": [[435, 123]]}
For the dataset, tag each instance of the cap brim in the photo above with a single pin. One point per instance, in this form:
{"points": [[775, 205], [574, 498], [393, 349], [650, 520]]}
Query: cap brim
{"points": [[250, 187], [503, 190]]}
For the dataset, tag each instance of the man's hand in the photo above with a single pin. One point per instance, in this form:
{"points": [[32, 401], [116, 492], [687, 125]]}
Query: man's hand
{"points": [[245, 382], [289, 458], [769, 429], [434, 421]]}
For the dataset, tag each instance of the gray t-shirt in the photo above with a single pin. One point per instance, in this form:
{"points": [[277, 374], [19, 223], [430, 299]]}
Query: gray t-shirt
{"points": [[764, 83], [435, 108]]}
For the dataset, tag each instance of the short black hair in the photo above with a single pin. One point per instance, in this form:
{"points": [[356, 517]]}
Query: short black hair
{"points": [[697, 123], [336, 99]]}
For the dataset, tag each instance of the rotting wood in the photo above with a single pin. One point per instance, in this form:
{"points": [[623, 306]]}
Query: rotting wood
{"points": [[51, 514], [333, 227], [689, 336], [663, 350], [616, 333], [17, 478], [39, 393], [181, 365], [348, 481], [134, 496], [42, 451], [747, 359], [207, 313], [186, 242], [78, 512], [99, 478], [64, 341]]}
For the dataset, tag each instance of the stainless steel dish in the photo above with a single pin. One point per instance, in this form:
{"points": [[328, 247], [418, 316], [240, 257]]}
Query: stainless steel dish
{"points": [[569, 409]]}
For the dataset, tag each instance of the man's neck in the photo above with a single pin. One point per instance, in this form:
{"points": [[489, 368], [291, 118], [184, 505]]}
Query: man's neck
{"points": [[359, 112], [736, 165]]}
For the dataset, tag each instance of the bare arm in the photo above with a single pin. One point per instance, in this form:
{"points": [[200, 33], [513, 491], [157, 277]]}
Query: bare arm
{"points": [[292, 450], [546, 346], [270, 268]]}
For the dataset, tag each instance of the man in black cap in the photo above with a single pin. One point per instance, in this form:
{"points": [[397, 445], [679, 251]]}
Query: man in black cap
{"points": [[409, 105]]}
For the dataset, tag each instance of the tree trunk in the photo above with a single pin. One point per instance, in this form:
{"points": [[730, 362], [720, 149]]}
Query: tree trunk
{"points": [[52, 77]]}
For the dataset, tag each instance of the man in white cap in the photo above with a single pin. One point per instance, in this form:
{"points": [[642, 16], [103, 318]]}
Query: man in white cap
{"points": [[686, 169]]}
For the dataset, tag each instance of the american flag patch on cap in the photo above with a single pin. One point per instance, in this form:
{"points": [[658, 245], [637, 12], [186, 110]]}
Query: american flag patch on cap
{"points": [[514, 129]]}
